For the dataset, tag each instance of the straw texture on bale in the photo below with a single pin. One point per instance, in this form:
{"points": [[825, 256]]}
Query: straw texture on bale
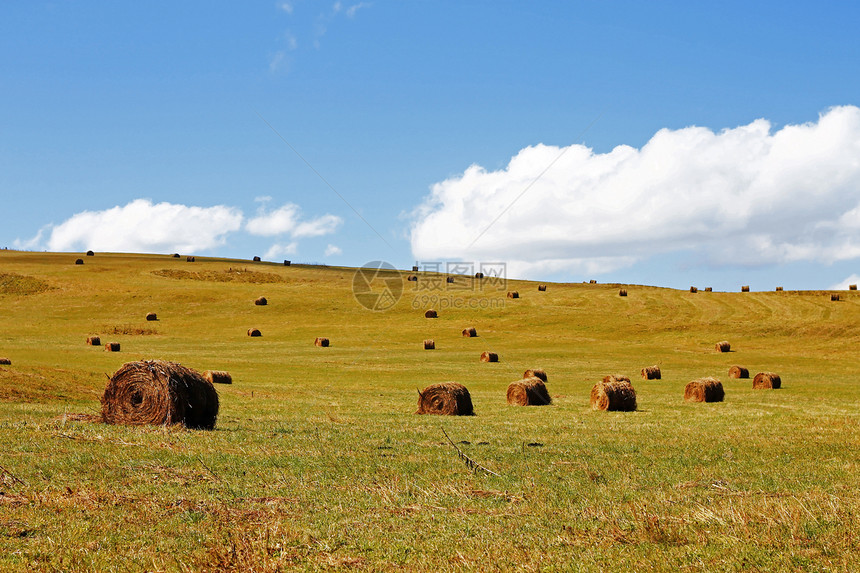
{"points": [[535, 373], [709, 289], [723, 346], [412, 279], [614, 393], [651, 373], [287, 263], [112, 347], [218, 376], [528, 392], [852, 287], [150, 316], [834, 297], [156, 392], [262, 301], [738, 372], [321, 341], [94, 341], [622, 292], [254, 332], [513, 294], [445, 399], [542, 288], [479, 275], [470, 332], [256, 259], [431, 314], [79, 262], [90, 254], [5, 361], [766, 380], [694, 289], [449, 279], [704, 390], [745, 289], [489, 357], [429, 344]]}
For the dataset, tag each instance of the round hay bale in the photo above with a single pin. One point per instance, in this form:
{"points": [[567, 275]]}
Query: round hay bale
{"points": [[112, 347], [287, 263], [489, 357], [834, 297], [614, 393], [412, 279], [622, 292], [90, 254], [257, 259], [709, 289], [778, 289], [528, 392], [745, 288], [513, 294], [542, 288], [414, 269], [852, 287], [5, 362], [535, 373], [79, 261], [254, 332], [470, 332], [445, 399], [150, 316], [738, 372], [218, 377], [479, 275], [429, 344], [321, 342], [651, 373], [175, 255], [704, 390], [155, 392], [723, 346], [94, 341], [431, 314], [694, 289], [766, 381], [449, 279], [189, 259], [261, 301], [592, 282]]}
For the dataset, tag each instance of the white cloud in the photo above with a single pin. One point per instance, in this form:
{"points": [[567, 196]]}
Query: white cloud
{"points": [[333, 250], [843, 285], [350, 12], [278, 60], [286, 7], [286, 220], [144, 227], [741, 196], [278, 250]]}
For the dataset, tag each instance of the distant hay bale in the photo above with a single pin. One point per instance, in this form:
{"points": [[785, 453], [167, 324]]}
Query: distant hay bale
{"points": [[5, 362], [489, 357], [779, 289], [412, 279], [150, 316], [79, 261], [709, 289], [651, 373], [542, 288], [723, 346], [90, 254], [693, 289], [287, 263], [834, 297], [449, 279], [261, 301], [738, 372], [614, 393], [745, 289], [592, 282], [257, 259], [528, 392], [94, 341], [189, 259], [766, 381], [852, 287], [321, 341], [622, 292], [155, 392], [431, 314], [218, 376], [429, 344], [175, 255], [513, 294], [535, 373], [254, 332], [470, 332], [479, 275], [445, 399], [704, 390], [414, 269], [112, 347]]}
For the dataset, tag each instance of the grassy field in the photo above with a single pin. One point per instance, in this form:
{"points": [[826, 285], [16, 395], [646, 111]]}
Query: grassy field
{"points": [[319, 462]]}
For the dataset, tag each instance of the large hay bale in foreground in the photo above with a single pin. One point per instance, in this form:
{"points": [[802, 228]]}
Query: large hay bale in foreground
{"points": [[652, 373], [704, 390], [445, 399], [470, 332], [254, 332], [94, 341], [766, 381], [218, 376], [542, 288], [429, 344], [431, 314], [536, 373], [614, 393], [262, 301], [5, 362], [738, 372], [112, 347], [489, 357], [150, 316], [322, 342], [156, 392], [528, 392], [723, 346]]}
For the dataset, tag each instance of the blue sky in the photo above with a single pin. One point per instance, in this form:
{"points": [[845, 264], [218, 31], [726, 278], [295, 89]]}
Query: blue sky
{"points": [[128, 126]]}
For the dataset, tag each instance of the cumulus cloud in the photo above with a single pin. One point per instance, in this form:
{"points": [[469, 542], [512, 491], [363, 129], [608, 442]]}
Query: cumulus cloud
{"points": [[333, 250], [748, 195], [286, 221]]}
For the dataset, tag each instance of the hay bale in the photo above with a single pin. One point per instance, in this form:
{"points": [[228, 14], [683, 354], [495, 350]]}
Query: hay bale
{"points": [[470, 332], [745, 288], [723, 346], [704, 390], [852, 287], [287, 263], [321, 341], [429, 344], [528, 392], [189, 259], [834, 297], [90, 254], [262, 301], [412, 279], [254, 332], [155, 392], [738, 372], [449, 279], [175, 255], [622, 292], [257, 259], [414, 269], [112, 347], [592, 282], [513, 294], [94, 341], [778, 289], [431, 314], [445, 399], [489, 357], [766, 381], [218, 377], [542, 288], [614, 393], [479, 275], [651, 373], [79, 261], [694, 289], [5, 362], [709, 289], [150, 316], [535, 373]]}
